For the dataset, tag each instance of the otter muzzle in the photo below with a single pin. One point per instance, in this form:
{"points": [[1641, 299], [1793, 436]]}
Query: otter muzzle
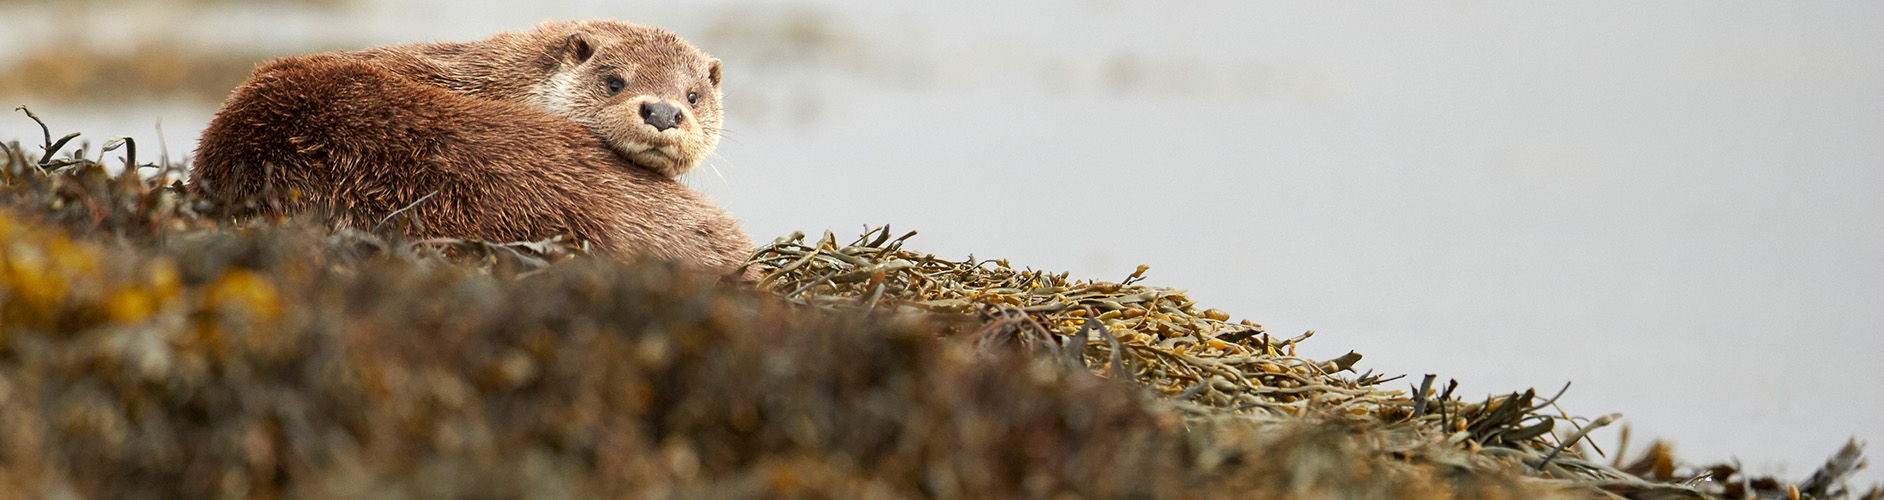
{"points": [[661, 115]]}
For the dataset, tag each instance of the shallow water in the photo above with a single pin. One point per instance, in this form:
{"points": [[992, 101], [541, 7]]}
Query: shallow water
{"points": [[1674, 206]]}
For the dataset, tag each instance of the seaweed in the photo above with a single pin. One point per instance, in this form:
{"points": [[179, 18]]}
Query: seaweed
{"points": [[153, 347]]}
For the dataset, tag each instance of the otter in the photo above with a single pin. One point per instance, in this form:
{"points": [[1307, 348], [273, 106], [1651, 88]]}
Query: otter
{"points": [[571, 128]]}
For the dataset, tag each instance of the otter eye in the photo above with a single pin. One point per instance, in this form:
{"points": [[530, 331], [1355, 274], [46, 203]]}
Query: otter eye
{"points": [[693, 98], [614, 84]]}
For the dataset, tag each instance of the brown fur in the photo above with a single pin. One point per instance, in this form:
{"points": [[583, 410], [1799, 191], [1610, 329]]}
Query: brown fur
{"points": [[518, 135]]}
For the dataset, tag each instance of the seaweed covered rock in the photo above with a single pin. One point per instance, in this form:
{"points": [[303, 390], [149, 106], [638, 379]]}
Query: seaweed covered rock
{"points": [[150, 348], [235, 364]]}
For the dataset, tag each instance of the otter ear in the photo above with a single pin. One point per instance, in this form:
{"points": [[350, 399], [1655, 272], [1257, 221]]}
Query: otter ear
{"points": [[713, 71], [578, 48]]}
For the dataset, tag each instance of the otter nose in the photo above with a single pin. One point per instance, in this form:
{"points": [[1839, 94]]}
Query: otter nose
{"points": [[661, 115]]}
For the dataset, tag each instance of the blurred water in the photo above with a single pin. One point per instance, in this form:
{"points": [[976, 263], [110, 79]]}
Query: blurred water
{"points": [[1673, 205]]}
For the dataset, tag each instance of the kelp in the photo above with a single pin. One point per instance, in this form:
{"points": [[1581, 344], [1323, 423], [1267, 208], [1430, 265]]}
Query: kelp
{"points": [[1197, 359], [153, 347]]}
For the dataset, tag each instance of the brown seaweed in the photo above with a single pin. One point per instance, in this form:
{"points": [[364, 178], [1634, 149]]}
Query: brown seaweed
{"points": [[152, 348]]}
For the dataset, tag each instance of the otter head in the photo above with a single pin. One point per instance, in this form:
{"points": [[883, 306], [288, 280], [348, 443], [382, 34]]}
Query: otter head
{"points": [[652, 97]]}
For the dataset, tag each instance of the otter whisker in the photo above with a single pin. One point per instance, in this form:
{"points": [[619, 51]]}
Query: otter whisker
{"points": [[716, 169], [727, 134]]}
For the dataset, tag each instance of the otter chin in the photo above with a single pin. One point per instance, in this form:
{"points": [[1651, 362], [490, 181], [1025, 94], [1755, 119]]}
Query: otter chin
{"points": [[664, 159], [572, 128]]}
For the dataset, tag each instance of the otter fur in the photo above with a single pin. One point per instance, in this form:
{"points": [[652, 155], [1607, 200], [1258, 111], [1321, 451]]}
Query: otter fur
{"points": [[572, 128]]}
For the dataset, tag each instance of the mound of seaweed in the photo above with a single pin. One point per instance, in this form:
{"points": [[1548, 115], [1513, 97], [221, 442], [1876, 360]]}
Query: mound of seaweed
{"points": [[150, 348]]}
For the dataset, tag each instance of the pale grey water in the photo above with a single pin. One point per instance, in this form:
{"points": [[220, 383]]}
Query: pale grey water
{"points": [[1673, 205]]}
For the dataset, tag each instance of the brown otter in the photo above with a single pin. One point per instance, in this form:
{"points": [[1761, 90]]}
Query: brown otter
{"points": [[573, 128]]}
